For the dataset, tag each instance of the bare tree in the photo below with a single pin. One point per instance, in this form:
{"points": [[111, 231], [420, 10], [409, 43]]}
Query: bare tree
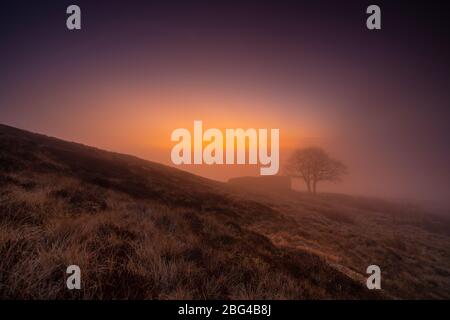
{"points": [[314, 165]]}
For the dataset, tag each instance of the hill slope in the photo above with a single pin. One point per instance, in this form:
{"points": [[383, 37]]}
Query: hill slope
{"points": [[139, 229], [409, 243]]}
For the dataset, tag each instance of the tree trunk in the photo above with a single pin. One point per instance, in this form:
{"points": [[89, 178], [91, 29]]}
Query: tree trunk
{"points": [[308, 185], [314, 186]]}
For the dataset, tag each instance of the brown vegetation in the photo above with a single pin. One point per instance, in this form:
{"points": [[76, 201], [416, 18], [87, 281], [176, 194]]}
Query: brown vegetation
{"points": [[140, 230]]}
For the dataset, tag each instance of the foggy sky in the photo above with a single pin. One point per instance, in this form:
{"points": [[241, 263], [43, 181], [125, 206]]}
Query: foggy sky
{"points": [[377, 100]]}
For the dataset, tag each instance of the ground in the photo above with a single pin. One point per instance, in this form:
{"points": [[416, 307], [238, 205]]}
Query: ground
{"points": [[141, 230]]}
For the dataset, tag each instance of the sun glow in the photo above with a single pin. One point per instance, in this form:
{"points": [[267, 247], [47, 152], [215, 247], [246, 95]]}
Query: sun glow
{"points": [[241, 147]]}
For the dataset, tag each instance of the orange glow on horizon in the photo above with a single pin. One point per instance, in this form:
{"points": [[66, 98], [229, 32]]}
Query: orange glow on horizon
{"points": [[140, 122]]}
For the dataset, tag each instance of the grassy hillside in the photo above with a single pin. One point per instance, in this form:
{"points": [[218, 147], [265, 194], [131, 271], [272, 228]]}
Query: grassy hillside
{"points": [[143, 230], [410, 244]]}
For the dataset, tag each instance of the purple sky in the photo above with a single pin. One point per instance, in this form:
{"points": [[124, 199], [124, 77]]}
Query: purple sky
{"points": [[378, 101]]}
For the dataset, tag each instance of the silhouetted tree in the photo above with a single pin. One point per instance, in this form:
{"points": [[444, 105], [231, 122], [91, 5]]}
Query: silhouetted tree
{"points": [[313, 165]]}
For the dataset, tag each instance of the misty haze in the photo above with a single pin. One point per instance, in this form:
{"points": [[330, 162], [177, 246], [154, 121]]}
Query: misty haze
{"points": [[357, 152]]}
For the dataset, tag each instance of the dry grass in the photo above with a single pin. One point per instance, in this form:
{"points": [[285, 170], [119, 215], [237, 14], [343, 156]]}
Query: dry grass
{"points": [[134, 249], [140, 230], [409, 244]]}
